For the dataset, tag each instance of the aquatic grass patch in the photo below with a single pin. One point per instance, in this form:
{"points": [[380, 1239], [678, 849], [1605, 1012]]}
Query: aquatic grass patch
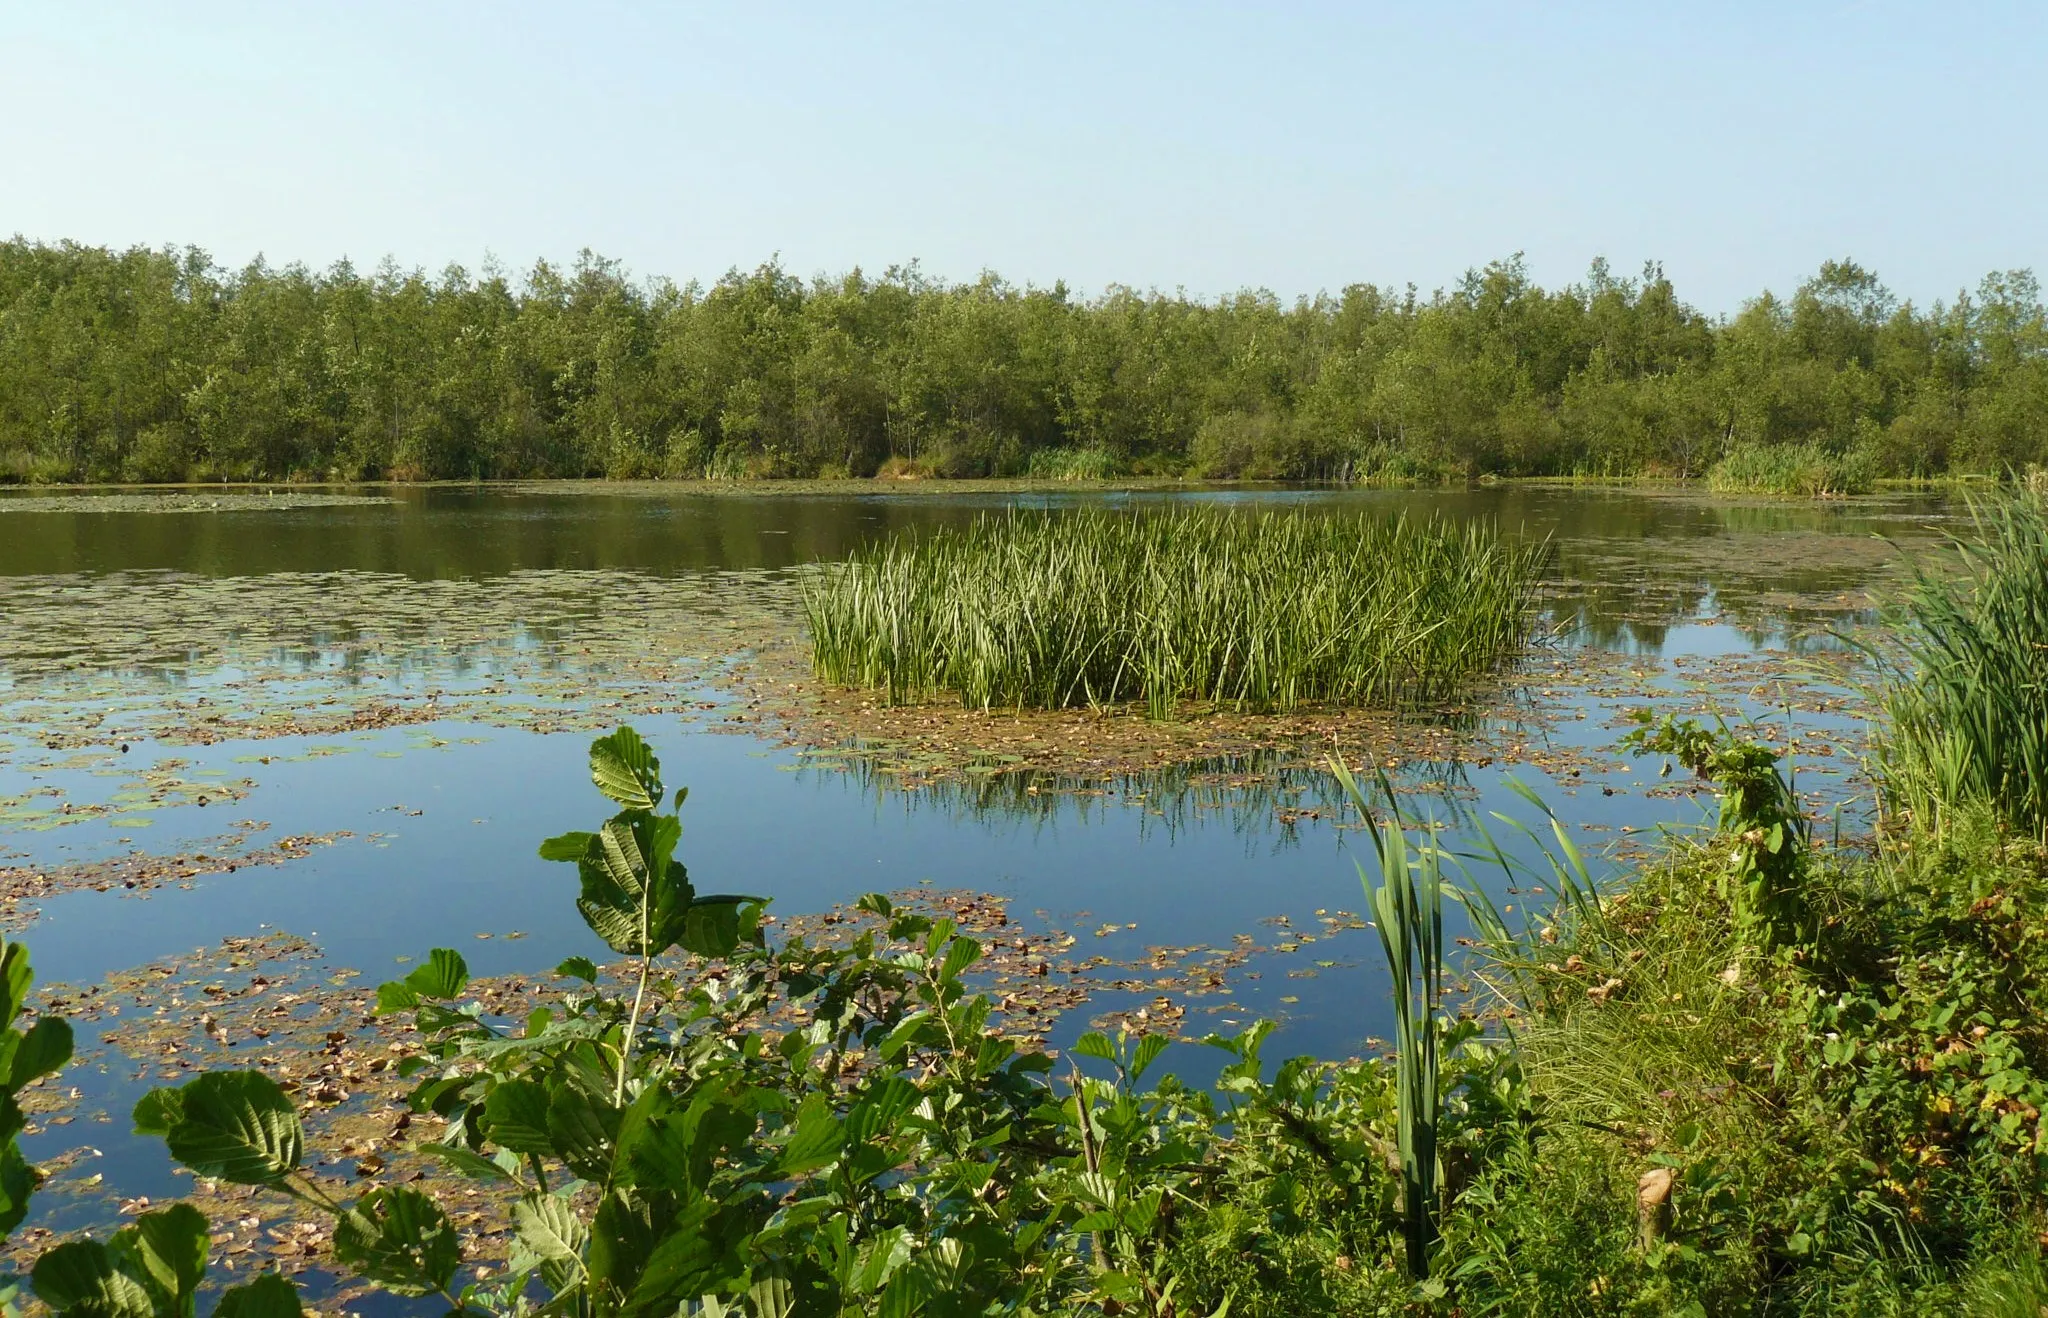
{"points": [[1966, 693], [1801, 469], [1251, 612]]}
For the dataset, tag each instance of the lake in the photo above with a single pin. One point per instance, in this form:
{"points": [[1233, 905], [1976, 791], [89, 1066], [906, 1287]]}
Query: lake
{"points": [[307, 735]]}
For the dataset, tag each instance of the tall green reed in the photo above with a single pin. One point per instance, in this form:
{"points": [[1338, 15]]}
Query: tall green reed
{"points": [[1253, 612], [1408, 909], [1965, 690]]}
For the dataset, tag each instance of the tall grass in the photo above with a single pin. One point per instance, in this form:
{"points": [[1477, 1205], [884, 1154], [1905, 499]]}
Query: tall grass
{"points": [[1801, 469], [1967, 699], [1408, 902], [1261, 612]]}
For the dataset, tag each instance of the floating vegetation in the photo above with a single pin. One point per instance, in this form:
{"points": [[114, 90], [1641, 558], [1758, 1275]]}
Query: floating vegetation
{"points": [[185, 501], [140, 872], [1265, 612]]}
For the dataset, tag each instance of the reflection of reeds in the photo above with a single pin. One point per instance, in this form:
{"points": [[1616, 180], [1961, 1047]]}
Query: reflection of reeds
{"points": [[1254, 612], [1967, 704], [1250, 791]]}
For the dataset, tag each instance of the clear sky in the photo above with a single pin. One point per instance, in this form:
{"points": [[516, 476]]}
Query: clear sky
{"points": [[1295, 147]]}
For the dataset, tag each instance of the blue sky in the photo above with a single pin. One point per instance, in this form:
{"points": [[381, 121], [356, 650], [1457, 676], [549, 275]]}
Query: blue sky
{"points": [[1208, 147]]}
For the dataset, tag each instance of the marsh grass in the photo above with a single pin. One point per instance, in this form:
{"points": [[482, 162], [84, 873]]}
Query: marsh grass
{"points": [[1966, 694], [1795, 469], [1253, 612]]}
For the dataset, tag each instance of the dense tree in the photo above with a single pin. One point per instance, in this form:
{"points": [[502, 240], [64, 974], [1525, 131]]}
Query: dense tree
{"points": [[160, 365]]}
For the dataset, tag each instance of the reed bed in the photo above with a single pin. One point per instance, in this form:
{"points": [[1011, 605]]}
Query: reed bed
{"points": [[1967, 700], [1256, 612]]}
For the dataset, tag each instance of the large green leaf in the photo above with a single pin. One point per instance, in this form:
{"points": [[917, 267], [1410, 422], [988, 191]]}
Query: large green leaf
{"points": [[235, 1125], [444, 975], [624, 769], [567, 846], [400, 1239], [17, 1183], [81, 1278], [267, 1296], [516, 1118], [170, 1251], [583, 1129], [15, 978], [546, 1230]]}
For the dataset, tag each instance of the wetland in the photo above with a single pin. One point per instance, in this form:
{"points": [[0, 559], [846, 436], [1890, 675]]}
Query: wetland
{"points": [[260, 751]]}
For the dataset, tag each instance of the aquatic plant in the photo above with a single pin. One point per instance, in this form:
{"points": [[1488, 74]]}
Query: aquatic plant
{"points": [[1262, 612], [1965, 691], [1802, 469], [1408, 902]]}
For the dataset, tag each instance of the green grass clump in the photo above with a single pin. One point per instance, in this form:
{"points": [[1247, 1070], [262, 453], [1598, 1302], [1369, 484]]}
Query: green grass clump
{"points": [[1800, 469], [1265, 612], [1967, 701]]}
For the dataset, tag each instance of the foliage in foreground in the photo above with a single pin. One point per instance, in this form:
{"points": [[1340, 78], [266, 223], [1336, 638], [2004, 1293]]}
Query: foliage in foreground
{"points": [[1266, 611], [1758, 1080]]}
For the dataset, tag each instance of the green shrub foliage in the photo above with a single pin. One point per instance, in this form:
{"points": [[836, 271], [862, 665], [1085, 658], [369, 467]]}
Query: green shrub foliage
{"points": [[160, 366]]}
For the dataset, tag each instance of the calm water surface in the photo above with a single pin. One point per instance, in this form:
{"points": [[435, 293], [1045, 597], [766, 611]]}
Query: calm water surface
{"points": [[1677, 601]]}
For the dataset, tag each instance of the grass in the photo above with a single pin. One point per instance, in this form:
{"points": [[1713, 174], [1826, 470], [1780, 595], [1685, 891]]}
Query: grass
{"points": [[1255, 612], [1966, 701], [1797, 469]]}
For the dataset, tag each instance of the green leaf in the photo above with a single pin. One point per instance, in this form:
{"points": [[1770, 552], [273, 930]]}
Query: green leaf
{"points": [[625, 770], [15, 978], [960, 954], [43, 1050], [516, 1118], [546, 1230], [267, 1296], [712, 926], [171, 1246], [158, 1110], [569, 846], [1095, 1044], [1146, 1053], [400, 1239], [444, 975], [583, 1129], [815, 1142], [876, 1114], [18, 1182], [578, 967], [81, 1277], [395, 995], [235, 1125], [469, 1162]]}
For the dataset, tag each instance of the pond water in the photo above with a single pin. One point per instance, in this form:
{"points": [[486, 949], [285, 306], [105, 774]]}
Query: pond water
{"points": [[374, 705]]}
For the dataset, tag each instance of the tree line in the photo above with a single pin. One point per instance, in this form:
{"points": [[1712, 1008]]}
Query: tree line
{"points": [[159, 365]]}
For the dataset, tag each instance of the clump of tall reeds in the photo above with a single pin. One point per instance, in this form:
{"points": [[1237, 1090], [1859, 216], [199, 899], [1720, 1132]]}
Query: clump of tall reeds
{"points": [[1261, 612], [1966, 700], [1807, 470]]}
